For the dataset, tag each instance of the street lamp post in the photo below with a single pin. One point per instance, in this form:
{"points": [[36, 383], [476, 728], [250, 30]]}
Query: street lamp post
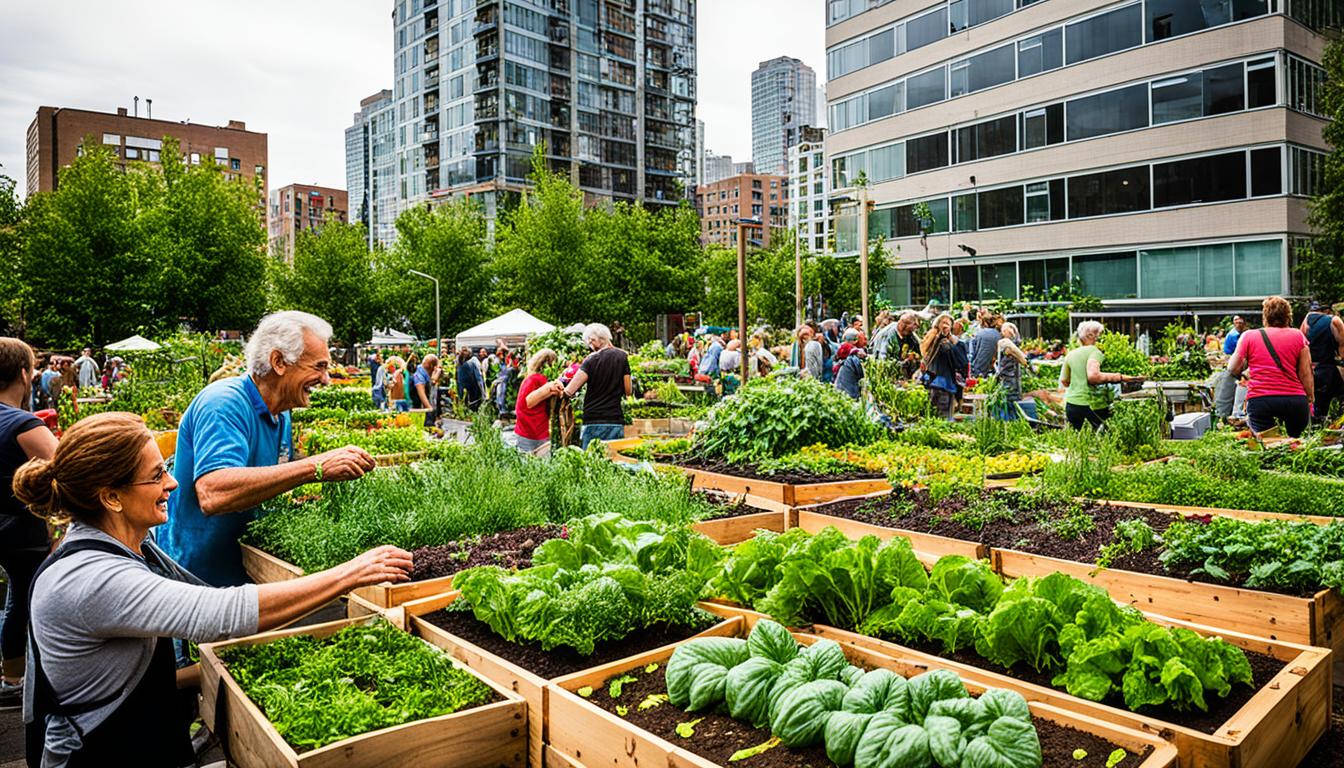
{"points": [[438, 328], [863, 256]]}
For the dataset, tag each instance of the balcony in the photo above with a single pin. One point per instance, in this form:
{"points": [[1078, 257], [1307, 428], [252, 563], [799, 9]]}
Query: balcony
{"points": [[428, 137], [432, 161], [431, 102], [486, 20], [487, 49], [560, 89]]}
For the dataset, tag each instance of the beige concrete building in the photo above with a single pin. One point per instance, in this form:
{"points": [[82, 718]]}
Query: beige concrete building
{"points": [[763, 197], [1155, 153]]}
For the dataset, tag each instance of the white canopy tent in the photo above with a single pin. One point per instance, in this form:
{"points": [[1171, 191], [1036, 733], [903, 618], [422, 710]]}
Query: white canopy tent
{"points": [[390, 338], [135, 343], [512, 327]]}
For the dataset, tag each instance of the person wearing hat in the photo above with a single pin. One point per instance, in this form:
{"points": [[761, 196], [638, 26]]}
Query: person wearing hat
{"points": [[849, 369], [1325, 338]]}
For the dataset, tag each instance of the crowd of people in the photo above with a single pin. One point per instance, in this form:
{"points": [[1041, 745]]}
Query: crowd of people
{"points": [[83, 376]]}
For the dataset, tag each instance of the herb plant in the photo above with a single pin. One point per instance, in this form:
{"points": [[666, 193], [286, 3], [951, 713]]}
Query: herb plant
{"points": [[361, 679], [770, 417]]}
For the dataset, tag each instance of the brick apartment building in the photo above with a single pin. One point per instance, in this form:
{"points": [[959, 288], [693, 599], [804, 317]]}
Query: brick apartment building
{"points": [[56, 133], [302, 207], [745, 196]]}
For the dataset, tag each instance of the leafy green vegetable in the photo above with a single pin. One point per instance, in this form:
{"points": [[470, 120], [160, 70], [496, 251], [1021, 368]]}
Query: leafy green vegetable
{"points": [[743, 754], [769, 417], [363, 678], [1115, 757], [687, 729], [614, 688]]}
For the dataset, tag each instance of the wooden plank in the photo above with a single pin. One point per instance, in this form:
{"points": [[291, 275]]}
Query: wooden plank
{"points": [[480, 737], [1240, 514], [557, 759], [1277, 617], [927, 543], [732, 530], [495, 668], [814, 493], [586, 734], [389, 595], [733, 485], [265, 568]]}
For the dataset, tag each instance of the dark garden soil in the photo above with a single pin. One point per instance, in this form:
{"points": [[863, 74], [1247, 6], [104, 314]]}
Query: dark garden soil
{"points": [[508, 549], [749, 472], [717, 736], [727, 506], [1263, 669], [912, 510], [558, 662], [1329, 751]]}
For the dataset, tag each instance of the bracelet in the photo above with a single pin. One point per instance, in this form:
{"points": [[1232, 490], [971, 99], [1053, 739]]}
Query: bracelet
{"points": [[317, 471]]}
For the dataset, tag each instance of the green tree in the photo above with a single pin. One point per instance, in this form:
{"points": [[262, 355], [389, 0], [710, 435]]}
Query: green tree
{"points": [[332, 277], [11, 213], [208, 238], [83, 272], [448, 242], [1320, 264]]}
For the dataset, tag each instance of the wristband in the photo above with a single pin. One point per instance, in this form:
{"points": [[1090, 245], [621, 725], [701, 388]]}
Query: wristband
{"points": [[317, 471]]}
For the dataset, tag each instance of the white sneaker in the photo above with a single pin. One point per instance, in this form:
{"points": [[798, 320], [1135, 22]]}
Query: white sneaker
{"points": [[11, 696]]}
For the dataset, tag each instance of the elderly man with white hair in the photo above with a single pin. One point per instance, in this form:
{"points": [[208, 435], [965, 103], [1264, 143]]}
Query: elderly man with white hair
{"points": [[606, 372], [233, 447]]}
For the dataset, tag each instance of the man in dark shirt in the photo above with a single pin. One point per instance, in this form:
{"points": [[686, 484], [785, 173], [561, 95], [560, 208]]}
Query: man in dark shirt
{"points": [[606, 372], [1325, 340]]}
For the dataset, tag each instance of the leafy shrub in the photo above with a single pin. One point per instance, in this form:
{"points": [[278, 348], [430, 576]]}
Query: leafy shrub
{"points": [[769, 417], [1121, 356], [1268, 553], [345, 398]]}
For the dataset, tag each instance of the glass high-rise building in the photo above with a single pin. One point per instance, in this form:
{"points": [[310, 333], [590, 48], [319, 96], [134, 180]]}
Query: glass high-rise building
{"points": [[371, 168], [608, 86], [783, 100], [1157, 154]]}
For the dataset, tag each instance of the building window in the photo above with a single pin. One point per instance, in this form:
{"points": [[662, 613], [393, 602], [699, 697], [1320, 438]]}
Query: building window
{"points": [[1207, 179], [1169, 18], [926, 153], [927, 88], [235, 164], [926, 29], [1111, 112], [112, 138], [1042, 127], [195, 158], [1001, 207], [1266, 172], [1100, 194], [1108, 275], [982, 71], [1041, 53], [988, 139], [1106, 33]]}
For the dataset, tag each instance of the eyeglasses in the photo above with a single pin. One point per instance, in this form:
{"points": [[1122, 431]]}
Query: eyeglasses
{"points": [[157, 478]]}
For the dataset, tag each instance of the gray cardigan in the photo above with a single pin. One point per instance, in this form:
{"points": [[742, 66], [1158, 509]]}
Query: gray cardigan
{"points": [[96, 617]]}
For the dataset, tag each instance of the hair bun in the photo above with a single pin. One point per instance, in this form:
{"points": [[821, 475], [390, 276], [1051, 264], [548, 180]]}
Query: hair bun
{"points": [[35, 486]]}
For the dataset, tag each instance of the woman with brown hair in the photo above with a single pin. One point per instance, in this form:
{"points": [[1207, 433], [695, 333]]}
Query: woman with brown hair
{"points": [[1281, 388], [23, 538], [941, 365], [108, 603]]}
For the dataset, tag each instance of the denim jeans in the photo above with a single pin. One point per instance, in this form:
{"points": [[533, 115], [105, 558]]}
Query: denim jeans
{"points": [[591, 432]]}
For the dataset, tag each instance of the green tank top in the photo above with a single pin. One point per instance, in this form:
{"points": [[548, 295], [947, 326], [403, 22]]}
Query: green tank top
{"points": [[1079, 391]]}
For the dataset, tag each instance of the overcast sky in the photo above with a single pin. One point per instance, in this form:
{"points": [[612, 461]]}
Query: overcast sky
{"points": [[297, 71]]}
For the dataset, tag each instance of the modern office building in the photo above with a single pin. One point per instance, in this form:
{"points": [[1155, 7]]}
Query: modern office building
{"points": [[810, 191], [745, 196], [717, 167], [302, 208], [698, 177], [1156, 153], [783, 100], [371, 167], [607, 87], [57, 133]]}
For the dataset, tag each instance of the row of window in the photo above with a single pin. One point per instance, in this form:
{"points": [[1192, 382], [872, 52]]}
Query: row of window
{"points": [[1186, 96], [957, 15], [1069, 43], [1222, 270], [1221, 177]]}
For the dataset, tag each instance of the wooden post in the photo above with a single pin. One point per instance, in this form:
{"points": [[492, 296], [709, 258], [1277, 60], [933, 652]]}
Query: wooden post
{"points": [[742, 298]]}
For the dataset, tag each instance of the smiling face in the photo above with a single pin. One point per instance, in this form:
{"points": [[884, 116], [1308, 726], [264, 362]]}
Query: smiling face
{"points": [[296, 381], [144, 502]]}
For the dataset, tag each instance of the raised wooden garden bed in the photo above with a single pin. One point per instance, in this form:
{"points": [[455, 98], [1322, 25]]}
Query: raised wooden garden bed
{"points": [[1276, 727], [265, 568], [670, 427], [812, 521], [481, 737], [733, 530], [1317, 620], [503, 672], [588, 735]]}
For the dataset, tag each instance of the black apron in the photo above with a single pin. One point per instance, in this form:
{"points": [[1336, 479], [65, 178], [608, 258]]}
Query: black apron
{"points": [[150, 728]]}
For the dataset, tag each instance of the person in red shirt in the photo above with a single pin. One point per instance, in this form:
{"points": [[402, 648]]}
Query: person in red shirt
{"points": [[532, 427], [1281, 389]]}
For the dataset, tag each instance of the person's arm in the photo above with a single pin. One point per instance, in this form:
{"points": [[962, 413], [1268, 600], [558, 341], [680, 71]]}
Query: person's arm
{"points": [[1337, 327], [38, 443], [539, 395], [1014, 351], [629, 386], [134, 602], [1306, 375], [1064, 377], [1237, 363], [420, 389], [576, 383], [234, 489]]}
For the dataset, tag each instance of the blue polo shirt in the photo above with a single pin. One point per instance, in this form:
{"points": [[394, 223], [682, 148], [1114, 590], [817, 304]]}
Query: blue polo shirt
{"points": [[227, 425]]}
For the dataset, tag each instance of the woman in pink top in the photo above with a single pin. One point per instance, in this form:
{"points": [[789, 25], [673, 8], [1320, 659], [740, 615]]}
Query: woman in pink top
{"points": [[1281, 389]]}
